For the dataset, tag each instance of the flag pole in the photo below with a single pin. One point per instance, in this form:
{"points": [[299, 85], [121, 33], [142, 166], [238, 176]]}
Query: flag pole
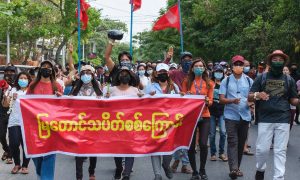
{"points": [[181, 32], [131, 22], [78, 29]]}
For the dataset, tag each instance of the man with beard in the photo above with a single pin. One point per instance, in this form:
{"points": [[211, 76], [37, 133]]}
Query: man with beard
{"points": [[6, 85]]}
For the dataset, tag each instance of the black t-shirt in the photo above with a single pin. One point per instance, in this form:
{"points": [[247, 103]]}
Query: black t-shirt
{"points": [[216, 109], [114, 74], [277, 108], [3, 110]]}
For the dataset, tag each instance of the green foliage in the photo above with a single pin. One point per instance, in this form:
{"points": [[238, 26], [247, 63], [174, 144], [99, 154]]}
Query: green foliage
{"points": [[219, 29]]}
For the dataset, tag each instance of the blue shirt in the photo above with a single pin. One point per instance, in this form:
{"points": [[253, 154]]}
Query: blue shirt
{"points": [[237, 88], [156, 87]]}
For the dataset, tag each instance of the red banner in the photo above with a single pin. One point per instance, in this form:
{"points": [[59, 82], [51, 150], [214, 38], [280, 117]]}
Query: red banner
{"points": [[118, 126]]}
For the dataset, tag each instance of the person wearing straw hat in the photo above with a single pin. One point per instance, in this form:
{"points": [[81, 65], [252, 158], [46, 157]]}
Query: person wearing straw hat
{"points": [[274, 91]]}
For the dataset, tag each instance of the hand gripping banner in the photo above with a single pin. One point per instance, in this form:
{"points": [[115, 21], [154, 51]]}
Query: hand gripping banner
{"points": [[117, 127]]}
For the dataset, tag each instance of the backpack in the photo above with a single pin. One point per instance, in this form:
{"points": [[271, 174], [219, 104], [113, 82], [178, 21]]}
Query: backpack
{"points": [[227, 82]]}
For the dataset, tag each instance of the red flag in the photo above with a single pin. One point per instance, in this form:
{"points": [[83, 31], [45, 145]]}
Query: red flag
{"points": [[170, 19], [84, 18], [136, 4]]}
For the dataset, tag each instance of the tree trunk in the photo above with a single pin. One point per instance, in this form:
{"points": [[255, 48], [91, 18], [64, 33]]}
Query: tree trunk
{"points": [[28, 53], [62, 44]]}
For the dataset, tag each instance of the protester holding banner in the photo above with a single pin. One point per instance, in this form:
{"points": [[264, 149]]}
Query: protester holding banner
{"points": [[6, 86], [198, 83], [45, 84], [86, 86], [141, 70], [162, 84], [233, 93], [14, 124], [217, 117], [124, 87]]}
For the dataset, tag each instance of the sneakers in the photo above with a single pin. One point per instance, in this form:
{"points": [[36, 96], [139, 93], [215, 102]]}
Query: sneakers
{"points": [[168, 172], [259, 175], [203, 176], [186, 170], [223, 157], [157, 177], [195, 177], [175, 166], [118, 174], [213, 158], [239, 173], [126, 177]]}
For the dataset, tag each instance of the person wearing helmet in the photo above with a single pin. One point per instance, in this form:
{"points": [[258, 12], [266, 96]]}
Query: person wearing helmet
{"points": [[178, 75]]}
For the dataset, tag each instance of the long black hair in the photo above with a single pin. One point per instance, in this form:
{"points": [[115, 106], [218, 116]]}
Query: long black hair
{"points": [[18, 87], [76, 88], [39, 76], [133, 79]]}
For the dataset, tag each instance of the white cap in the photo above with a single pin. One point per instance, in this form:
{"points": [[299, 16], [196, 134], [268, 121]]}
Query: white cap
{"points": [[162, 66], [87, 67], [174, 65]]}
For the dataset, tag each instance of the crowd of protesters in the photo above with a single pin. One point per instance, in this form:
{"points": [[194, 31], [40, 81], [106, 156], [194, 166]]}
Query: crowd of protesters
{"points": [[236, 93]]}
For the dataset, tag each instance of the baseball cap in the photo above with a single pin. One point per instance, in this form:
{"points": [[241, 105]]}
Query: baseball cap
{"points": [[237, 58], [162, 66], [87, 67]]}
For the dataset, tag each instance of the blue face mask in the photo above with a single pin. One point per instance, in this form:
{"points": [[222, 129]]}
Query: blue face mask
{"points": [[218, 75], [142, 72], [23, 83], [186, 66], [198, 71], [86, 78], [246, 69]]}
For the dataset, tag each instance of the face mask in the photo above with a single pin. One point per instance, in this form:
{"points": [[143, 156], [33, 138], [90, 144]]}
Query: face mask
{"points": [[142, 72], [86, 78], [246, 69], [237, 70], [125, 79], [276, 68], [149, 72], [9, 78], [198, 71], [23, 83], [45, 72], [162, 77], [186, 66], [218, 75]]}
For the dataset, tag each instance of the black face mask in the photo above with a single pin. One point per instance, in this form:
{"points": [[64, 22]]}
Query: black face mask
{"points": [[125, 79], [45, 72], [162, 77], [10, 78]]}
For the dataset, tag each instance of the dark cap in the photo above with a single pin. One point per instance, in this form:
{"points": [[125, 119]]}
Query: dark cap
{"points": [[10, 68], [237, 58]]}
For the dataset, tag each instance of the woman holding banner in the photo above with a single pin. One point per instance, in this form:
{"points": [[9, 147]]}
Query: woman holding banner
{"points": [[162, 85], [14, 125], [86, 86], [45, 84], [198, 83], [124, 86]]}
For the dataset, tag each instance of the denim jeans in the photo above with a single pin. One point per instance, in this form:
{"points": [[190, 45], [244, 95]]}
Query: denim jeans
{"points": [[212, 135], [182, 154], [45, 167], [156, 163], [280, 132]]}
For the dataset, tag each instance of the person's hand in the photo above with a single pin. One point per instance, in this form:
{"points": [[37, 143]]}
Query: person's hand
{"points": [[58, 94], [107, 95], [251, 106], [236, 101], [170, 54], [140, 94], [15, 96], [70, 48], [181, 93], [263, 96], [98, 97], [152, 93], [206, 100]]}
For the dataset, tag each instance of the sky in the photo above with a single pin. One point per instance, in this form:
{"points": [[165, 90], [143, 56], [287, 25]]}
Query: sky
{"points": [[120, 10]]}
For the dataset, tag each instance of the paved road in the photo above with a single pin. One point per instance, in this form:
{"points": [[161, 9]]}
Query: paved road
{"points": [[65, 166]]}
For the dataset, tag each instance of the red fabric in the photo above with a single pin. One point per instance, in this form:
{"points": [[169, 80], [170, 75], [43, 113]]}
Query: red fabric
{"points": [[170, 19], [45, 88], [3, 84], [92, 126], [136, 4], [84, 18]]}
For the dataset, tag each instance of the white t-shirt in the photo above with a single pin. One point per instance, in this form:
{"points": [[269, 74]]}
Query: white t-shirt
{"points": [[144, 80], [14, 117], [115, 91]]}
